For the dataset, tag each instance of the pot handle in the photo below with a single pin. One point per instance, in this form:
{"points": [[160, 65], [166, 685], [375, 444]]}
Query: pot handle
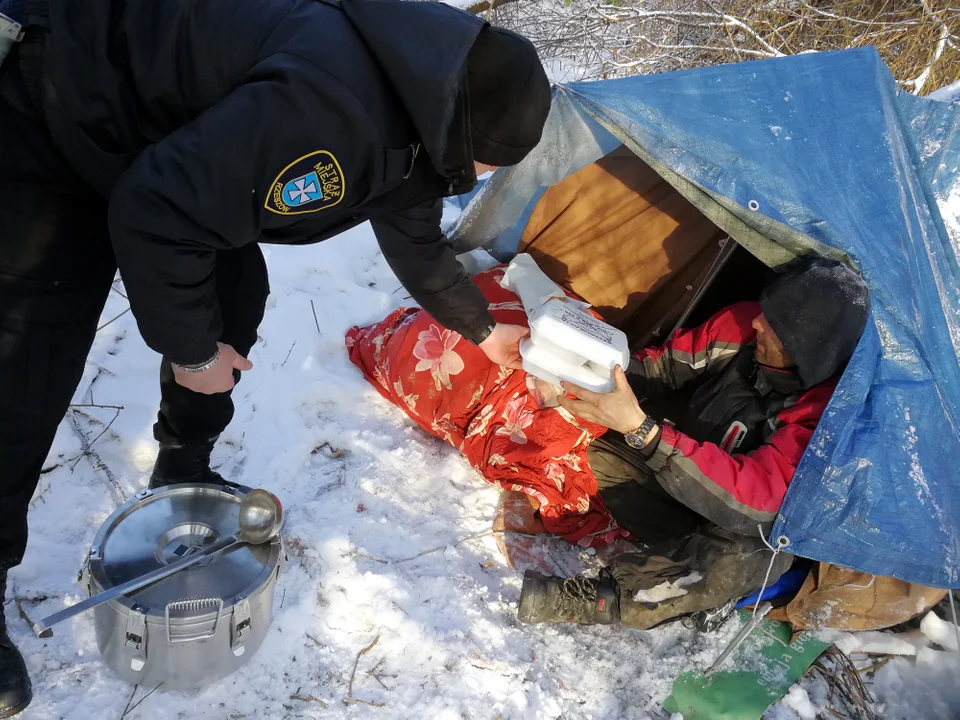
{"points": [[176, 635]]}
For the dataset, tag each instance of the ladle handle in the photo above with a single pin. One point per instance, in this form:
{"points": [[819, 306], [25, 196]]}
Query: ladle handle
{"points": [[43, 627]]}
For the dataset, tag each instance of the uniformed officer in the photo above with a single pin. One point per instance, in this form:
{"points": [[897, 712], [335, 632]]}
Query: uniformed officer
{"points": [[170, 138]]}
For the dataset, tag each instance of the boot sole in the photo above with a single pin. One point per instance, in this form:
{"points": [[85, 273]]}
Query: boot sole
{"points": [[17, 709]]}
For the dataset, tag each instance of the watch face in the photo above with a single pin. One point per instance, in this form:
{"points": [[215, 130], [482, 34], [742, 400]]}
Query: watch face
{"points": [[634, 441]]}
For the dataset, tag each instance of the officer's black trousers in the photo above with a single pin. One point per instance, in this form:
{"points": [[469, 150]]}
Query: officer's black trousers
{"points": [[56, 270]]}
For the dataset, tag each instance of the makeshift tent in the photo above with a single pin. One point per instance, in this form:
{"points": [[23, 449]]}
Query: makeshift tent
{"points": [[813, 154]]}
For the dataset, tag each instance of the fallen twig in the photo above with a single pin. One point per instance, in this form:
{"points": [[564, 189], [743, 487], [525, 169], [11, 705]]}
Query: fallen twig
{"points": [[117, 410], [288, 353], [336, 484], [310, 698], [127, 706], [875, 666], [335, 453], [843, 680], [315, 321], [113, 320], [372, 672], [356, 662], [140, 701], [18, 601], [355, 701], [475, 536], [315, 641], [98, 462]]}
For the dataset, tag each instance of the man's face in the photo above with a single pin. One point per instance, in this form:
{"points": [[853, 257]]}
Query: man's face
{"points": [[769, 350]]}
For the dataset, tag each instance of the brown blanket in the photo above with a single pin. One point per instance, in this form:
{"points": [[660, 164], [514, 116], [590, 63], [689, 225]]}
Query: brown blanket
{"points": [[619, 236]]}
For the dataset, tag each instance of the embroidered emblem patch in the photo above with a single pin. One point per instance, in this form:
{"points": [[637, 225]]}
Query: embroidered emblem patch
{"points": [[309, 184]]}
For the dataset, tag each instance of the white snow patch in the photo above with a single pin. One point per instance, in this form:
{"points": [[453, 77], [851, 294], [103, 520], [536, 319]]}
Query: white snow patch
{"points": [[869, 642], [939, 631], [798, 701], [667, 590]]}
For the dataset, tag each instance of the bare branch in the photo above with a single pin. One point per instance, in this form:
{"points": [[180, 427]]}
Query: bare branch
{"points": [[921, 79]]}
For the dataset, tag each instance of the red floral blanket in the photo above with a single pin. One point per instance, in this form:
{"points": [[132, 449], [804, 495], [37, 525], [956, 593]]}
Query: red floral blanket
{"points": [[453, 391]]}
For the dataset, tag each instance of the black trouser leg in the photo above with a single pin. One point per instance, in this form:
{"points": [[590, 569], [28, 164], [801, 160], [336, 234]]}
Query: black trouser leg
{"points": [[187, 417], [56, 267], [633, 495], [699, 564], [708, 569]]}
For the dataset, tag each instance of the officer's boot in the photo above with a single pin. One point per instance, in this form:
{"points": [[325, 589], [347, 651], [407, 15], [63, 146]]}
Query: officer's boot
{"points": [[577, 599], [15, 692], [190, 463]]}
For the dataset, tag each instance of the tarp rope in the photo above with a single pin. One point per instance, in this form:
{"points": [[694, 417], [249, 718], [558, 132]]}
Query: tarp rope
{"points": [[782, 542], [956, 625]]}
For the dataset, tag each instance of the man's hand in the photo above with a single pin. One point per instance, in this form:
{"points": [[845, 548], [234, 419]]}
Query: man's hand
{"points": [[502, 346], [617, 410], [216, 379]]}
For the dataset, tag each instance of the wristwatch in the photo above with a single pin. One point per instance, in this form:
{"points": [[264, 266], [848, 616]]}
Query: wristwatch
{"points": [[637, 439], [199, 367]]}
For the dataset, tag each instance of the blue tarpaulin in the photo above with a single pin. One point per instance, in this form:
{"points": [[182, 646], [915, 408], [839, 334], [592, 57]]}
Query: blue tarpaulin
{"points": [[818, 153]]}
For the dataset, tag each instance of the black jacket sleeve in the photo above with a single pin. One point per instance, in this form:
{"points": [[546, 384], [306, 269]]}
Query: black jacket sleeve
{"points": [[427, 266], [202, 189]]}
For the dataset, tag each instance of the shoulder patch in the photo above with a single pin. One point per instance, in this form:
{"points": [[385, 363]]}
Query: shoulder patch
{"points": [[309, 184]]}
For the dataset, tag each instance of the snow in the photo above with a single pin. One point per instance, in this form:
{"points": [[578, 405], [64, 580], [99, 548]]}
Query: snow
{"points": [[939, 631], [388, 541], [798, 701], [950, 93], [667, 590]]}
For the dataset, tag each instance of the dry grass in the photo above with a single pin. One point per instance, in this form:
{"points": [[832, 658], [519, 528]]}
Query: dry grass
{"points": [[918, 39]]}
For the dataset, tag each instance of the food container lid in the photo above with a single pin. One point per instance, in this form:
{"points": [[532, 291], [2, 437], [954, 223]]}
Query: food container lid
{"points": [[158, 527]]}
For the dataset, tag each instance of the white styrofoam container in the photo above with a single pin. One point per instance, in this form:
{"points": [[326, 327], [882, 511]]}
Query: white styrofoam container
{"points": [[576, 330], [548, 367], [566, 342]]}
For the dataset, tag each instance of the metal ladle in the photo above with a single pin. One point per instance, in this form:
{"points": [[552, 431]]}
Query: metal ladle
{"points": [[261, 517]]}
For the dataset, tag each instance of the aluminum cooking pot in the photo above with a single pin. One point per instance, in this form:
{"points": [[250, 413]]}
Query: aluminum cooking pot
{"points": [[200, 624]]}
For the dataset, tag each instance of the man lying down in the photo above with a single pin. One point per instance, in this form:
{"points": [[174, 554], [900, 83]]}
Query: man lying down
{"points": [[705, 434]]}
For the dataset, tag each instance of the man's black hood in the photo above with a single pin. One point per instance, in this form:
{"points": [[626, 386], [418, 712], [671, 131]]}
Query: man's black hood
{"points": [[818, 311], [423, 47]]}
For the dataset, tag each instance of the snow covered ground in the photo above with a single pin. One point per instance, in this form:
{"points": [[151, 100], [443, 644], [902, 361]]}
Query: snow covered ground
{"points": [[448, 642]]}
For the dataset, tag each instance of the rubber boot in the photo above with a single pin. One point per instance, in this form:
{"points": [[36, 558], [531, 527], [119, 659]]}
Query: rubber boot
{"points": [[15, 691], [576, 600], [177, 464]]}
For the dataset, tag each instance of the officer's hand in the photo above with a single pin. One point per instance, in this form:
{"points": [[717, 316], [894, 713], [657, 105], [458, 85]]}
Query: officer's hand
{"points": [[617, 409], [216, 379], [502, 346]]}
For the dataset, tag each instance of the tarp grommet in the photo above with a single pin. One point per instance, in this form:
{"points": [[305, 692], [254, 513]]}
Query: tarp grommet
{"points": [[753, 205], [782, 541]]}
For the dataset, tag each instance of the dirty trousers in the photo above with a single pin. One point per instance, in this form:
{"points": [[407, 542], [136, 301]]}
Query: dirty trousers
{"points": [[56, 270], [705, 565]]}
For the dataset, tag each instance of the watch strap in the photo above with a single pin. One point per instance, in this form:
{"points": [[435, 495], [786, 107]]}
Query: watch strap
{"points": [[639, 436]]}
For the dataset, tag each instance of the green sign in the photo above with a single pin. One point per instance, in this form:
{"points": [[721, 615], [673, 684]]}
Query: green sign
{"points": [[760, 672]]}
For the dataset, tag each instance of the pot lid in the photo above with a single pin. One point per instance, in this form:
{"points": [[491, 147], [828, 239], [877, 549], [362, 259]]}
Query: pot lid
{"points": [[159, 527]]}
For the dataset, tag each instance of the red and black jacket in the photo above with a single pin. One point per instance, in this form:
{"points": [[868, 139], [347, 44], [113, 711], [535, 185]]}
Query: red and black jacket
{"points": [[733, 430]]}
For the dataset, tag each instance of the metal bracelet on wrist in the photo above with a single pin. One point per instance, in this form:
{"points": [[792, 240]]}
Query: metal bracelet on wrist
{"points": [[199, 367], [637, 439]]}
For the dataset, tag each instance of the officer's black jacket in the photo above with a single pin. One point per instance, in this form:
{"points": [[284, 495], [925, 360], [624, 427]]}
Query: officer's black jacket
{"points": [[211, 124]]}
